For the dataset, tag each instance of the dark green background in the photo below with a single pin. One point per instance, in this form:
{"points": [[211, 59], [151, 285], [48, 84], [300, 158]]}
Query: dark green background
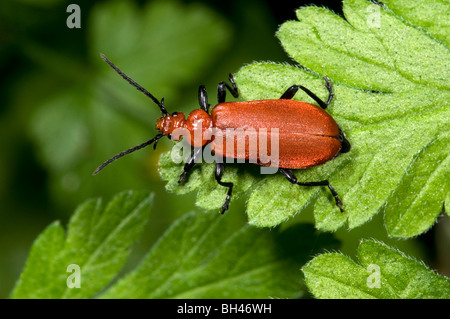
{"points": [[48, 151]]}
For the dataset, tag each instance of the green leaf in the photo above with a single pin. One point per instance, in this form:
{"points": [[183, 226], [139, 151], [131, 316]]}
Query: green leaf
{"points": [[431, 16], [41, 267], [98, 241], [210, 256], [199, 256], [414, 206], [391, 81], [382, 272]]}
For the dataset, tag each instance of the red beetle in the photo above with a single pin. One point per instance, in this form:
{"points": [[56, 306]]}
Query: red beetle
{"points": [[307, 136]]}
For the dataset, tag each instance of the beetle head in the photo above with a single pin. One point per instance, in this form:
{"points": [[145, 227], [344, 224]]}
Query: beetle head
{"points": [[168, 123]]}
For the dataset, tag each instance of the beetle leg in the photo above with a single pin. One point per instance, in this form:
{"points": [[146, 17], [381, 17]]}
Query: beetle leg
{"points": [[291, 178], [222, 89], [290, 92], [218, 174], [190, 163], [203, 98], [235, 90], [329, 87]]}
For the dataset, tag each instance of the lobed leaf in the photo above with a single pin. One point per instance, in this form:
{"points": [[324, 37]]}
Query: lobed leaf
{"points": [[207, 256], [382, 272], [199, 256], [430, 16], [391, 81], [98, 241]]}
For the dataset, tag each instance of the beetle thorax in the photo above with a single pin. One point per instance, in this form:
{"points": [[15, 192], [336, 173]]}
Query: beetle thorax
{"points": [[195, 128]]}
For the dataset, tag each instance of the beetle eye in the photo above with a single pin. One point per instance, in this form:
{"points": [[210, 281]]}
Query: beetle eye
{"points": [[169, 136], [174, 114]]}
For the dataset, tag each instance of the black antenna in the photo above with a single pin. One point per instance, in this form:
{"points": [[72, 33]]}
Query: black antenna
{"points": [[137, 86], [128, 151]]}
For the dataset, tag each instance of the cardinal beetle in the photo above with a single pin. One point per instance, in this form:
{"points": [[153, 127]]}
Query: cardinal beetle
{"points": [[307, 135]]}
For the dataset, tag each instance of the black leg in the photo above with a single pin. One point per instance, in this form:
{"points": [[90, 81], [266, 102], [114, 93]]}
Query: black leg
{"points": [[218, 175], [190, 163], [203, 98], [329, 87], [290, 92], [222, 89], [291, 178]]}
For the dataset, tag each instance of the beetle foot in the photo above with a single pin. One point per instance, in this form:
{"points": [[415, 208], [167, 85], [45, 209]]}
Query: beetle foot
{"points": [[225, 205], [339, 204], [182, 177]]}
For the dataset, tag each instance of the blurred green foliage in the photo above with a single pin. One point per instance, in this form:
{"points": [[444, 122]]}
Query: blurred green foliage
{"points": [[199, 256], [64, 111]]}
